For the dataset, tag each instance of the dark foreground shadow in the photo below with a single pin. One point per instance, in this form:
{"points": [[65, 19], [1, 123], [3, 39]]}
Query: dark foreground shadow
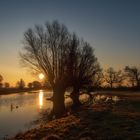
{"points": [[97, 121]]}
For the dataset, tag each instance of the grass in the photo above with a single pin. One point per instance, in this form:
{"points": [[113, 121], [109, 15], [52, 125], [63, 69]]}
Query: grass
{"points": [[103, 121]]}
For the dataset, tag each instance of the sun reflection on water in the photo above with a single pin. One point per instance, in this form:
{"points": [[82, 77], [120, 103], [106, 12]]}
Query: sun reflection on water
{"points": [[41, 94]]}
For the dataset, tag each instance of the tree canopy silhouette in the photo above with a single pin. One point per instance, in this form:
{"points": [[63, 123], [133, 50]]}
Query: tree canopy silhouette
{"points": [[113, 78], [6, 85], [21, 84], [133, 74], [61, 57], [46, 51], [1, 79], [82, 66]]}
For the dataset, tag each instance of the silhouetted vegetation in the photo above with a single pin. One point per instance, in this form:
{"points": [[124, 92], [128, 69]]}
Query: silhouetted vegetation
{"points": [[133, 76], [113, 78], [6, 85], [1, 79], [30, 85], [36, 84], [62, 57], [46, 50], [82, 67], [21, 84]]}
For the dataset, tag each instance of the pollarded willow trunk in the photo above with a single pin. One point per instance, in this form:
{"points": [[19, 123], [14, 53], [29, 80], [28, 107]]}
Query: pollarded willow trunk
{"points": [[58, 101], [75, 97]]}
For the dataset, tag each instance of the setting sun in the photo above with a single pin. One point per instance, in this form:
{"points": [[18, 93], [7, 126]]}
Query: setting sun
{"points": [[41, 76]]}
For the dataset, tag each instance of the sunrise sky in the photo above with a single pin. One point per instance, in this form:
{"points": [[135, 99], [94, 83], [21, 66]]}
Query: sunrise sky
{"points": [[112, 27]]}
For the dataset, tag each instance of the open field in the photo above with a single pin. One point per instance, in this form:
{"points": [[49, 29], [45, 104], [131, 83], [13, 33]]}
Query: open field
{"points": [[100, 120]]}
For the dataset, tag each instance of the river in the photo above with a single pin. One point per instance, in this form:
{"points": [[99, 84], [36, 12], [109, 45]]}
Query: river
{"points": [[18, 111]]}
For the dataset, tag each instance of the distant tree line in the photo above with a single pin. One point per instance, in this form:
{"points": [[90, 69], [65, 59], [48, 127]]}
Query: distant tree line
{"points": [[3, 84], [32, 85], [128, 77], [109, 78], [21, 84]]}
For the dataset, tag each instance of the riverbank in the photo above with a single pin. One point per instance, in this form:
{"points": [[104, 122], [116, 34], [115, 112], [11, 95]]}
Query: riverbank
{"points": [[4, 91], [100, 120]]}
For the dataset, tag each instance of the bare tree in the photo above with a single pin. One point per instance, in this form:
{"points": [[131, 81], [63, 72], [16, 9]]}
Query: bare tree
{"points": [[1, 79], [1, 85], [21, 84], [83, 65], [113, 78], [36, 84], [30, 85], [46, 51], [98, 79], [6, 85], [133, 74], [64, 59]]}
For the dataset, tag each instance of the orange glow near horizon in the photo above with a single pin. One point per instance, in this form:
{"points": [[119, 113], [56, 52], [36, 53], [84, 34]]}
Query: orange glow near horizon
{"points": [[12, 75]]}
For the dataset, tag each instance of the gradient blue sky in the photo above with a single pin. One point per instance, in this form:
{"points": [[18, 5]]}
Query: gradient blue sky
{"points": [[112, 27]]}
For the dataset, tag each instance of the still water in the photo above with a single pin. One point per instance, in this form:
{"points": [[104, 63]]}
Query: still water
{"points": [[18, 111]]}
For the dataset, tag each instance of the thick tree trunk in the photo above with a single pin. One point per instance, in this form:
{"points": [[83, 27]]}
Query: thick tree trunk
{"points": [[138, 82], [111, 85], [75, 97], [58, 102]]}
